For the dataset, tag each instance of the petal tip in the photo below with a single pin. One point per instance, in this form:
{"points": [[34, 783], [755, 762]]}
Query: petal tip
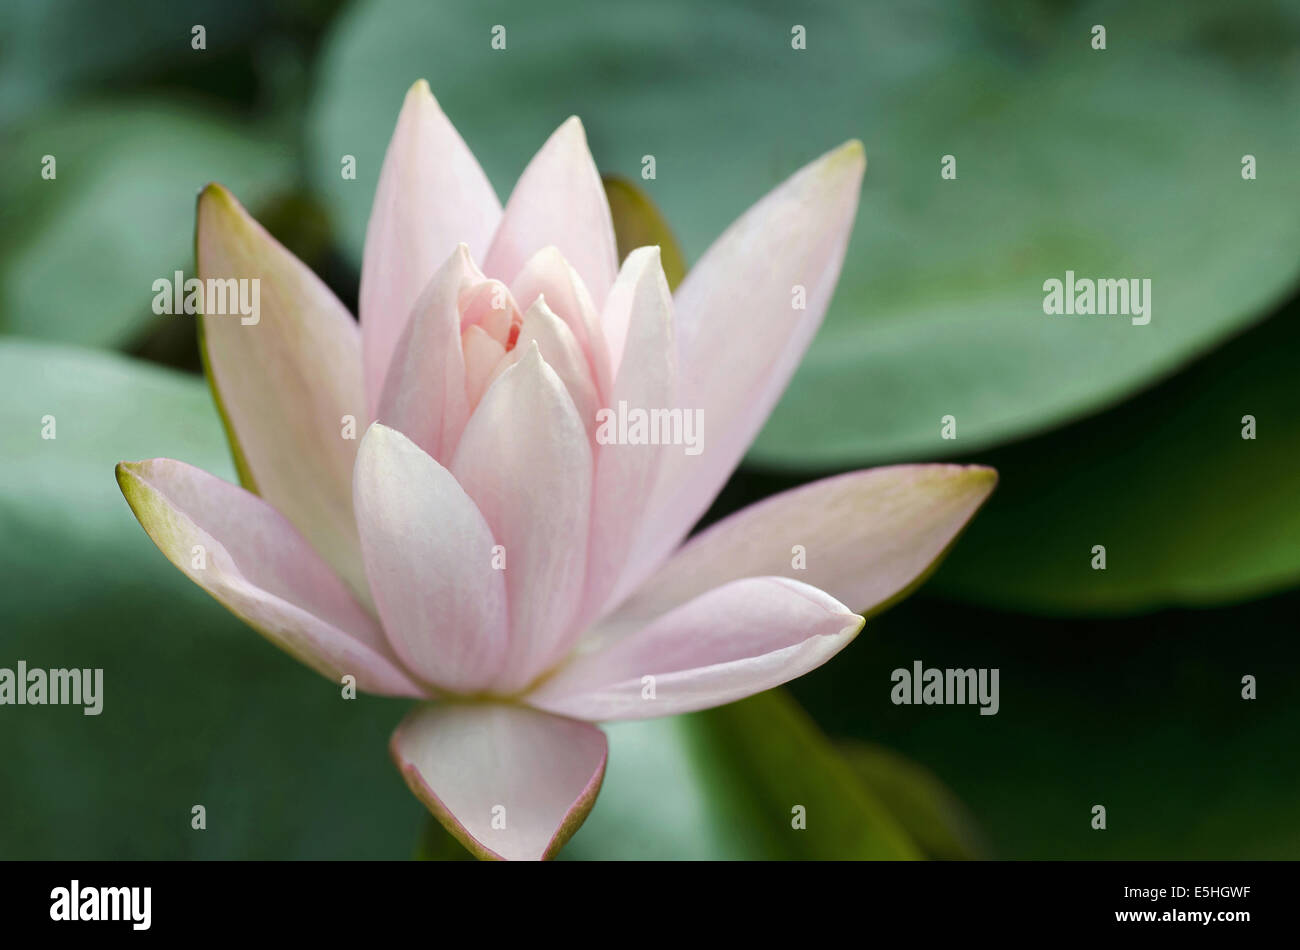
{"points": [[217, 207], [214, 189], [377, 435], [125, 472], [131, 478], [983, 476], [216, 195], [462, 257], [539, 306], [573, 126], [851, 157], [533, 357], [421, 92]]}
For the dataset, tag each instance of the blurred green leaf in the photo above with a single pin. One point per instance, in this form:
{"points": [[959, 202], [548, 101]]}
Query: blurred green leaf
{"points": [[771, 756], [656, 802], [722, 784], [638, 223], [54, 47], [1143, 715], [932, 815], [1188, 511], [102, 409], [1117, 163], [81, 251], [436, 844]]}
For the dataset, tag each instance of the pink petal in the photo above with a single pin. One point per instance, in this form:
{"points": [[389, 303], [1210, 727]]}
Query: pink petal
{"points": [[251, 559], [739, 337], [481, 767], [866, 538], [547, 274], [483, 356], [491, 306], [288, 384], [560, 350], [428, 555], [729, 643], [424, 393], [432, 195], [641, 304], [559, 200], [526, 462]]}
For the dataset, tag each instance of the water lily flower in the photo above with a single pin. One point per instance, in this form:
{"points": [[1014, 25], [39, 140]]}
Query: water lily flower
{"points": [[481, 547]]}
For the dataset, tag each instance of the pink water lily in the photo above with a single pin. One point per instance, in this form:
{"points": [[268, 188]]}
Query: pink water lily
{"points": [[481, 547]]}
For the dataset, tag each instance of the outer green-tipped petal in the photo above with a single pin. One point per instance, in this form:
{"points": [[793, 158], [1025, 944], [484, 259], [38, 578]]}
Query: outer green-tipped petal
{"points": [[741, 332], [732, 642], [559, 200], [866, 538], [286, 382], [432, 195], [509, 782], [249, 557]]}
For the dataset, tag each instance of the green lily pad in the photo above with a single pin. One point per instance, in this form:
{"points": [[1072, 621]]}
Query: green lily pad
{"points": [[767, 768], [55, 47], [1188, 511], [1142, 715], [773, 758], [655, 803], [932, 815], [1120, 163], [82, 250]]}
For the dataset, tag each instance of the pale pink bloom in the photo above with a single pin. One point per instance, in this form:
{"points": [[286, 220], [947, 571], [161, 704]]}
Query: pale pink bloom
{"points": [[480, 546]]}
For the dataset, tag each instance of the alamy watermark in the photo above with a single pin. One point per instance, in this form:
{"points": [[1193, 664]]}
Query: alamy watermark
{"points": [[37, 687], [1083, 296], [75, 902], [935, 687], [636, 426], [215, 296]]}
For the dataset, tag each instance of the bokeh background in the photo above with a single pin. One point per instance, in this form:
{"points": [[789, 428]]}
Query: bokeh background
{"points": [[1120, 688]]}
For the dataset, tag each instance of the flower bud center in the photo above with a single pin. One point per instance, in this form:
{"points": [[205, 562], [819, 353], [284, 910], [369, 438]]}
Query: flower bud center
{"points": [[489, 329]]}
